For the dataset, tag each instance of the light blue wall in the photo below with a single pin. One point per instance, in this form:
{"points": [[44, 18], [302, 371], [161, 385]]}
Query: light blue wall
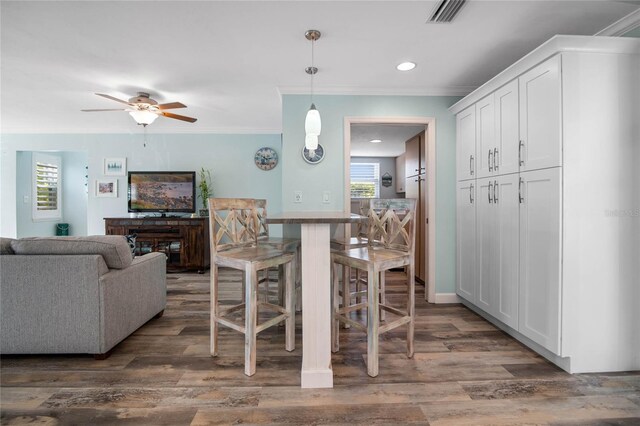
{"points": [[329, 174], [229, 157]]}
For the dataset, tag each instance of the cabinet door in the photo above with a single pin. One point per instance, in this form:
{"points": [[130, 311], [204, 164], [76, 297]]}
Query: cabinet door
{"points": [[507, 237], [540, 241], [507, 129], [466, 143], [485, 136], [412, 156], [540, 107], [485, 240], [400, 177], [466, 240]]}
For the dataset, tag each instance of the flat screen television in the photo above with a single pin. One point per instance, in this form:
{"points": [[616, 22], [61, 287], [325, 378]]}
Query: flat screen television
{"points": [[162, 192]]}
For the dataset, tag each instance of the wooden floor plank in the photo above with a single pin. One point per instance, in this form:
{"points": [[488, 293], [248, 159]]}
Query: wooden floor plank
{"points": [[465, 371]]}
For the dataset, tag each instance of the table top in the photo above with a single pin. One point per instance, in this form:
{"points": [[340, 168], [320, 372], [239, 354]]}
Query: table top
{"points": [[314, 217]]}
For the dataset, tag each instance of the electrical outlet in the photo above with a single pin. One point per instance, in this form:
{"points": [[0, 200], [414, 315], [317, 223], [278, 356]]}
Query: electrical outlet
{"points": [[25, 199], [297, 196], [326, 197]]}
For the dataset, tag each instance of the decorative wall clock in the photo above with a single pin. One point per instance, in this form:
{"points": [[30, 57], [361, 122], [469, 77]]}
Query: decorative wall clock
{"points": [[317, 157], [266, 158]]}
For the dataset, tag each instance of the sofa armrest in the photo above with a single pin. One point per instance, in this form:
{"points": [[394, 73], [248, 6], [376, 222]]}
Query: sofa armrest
{"points": [[50, 303], [132, 296]]}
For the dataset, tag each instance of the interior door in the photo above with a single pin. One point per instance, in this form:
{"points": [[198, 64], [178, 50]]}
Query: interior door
{"points": [[507, 238], [412, 157], [540, 109], [466, 143], [466, 240], [486, 253], [540, 261], [507, 129], [485, 136]]}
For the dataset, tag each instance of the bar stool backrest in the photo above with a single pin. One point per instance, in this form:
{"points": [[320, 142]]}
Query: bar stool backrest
{"points": [[392, 223], [263, 227], [232, 223]]}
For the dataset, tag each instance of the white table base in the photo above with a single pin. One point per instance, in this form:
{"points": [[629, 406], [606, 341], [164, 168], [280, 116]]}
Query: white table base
{"points": [[316, 306]]}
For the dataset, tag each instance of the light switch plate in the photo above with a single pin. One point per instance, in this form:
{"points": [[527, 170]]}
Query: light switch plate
{"points": [[297, 196], [326, 197]]}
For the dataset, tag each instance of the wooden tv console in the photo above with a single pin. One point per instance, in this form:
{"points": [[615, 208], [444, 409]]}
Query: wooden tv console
{"points": [[184, 240]]}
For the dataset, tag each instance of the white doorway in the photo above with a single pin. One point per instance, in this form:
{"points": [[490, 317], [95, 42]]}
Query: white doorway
{"points": [[428, 204]]}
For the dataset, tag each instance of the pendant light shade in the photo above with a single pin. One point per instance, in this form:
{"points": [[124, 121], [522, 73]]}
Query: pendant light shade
{"points": [[311, 141], [313, 124], [143, 117]]}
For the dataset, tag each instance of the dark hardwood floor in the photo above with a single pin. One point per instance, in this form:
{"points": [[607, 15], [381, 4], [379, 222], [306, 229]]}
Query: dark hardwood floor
{"points": [[465, 371]]}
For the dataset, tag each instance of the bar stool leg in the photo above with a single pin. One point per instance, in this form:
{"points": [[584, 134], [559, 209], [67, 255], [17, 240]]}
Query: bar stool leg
{"points": [[346, 291], [289, 305], [250, 320], [383, 282], [213, 318], [411, 302], [335, 303], [372, 321]]}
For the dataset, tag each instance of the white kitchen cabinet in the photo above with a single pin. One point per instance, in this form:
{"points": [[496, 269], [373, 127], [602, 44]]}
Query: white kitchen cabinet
{"points": [[507, 135], [540, 114], [507, 243], [485, 136], [466, 143], [540, 265], [485, 249], [466, 240], [400, 177], [556, 259]]}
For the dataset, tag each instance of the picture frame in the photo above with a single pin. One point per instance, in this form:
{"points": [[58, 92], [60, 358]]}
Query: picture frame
{"points": [[107, 188], [317, 157], [115, 166]]}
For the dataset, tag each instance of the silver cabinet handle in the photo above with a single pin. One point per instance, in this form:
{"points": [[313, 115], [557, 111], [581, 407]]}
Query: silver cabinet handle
{"points": [[520, 146], [489, 193], [471, 164], [489, 161], [471, 194], [520, 197], [495, 159], [495, 187]]}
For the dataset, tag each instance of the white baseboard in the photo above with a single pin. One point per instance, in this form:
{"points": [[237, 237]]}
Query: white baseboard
{"points": [[447, 298]]}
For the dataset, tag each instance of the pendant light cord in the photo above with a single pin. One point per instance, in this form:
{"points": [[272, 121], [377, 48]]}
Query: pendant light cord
{"points": [[313, 42]]}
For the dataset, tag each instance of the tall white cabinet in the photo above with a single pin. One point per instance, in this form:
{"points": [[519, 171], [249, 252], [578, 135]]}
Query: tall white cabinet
{"points": [[547, 202]]}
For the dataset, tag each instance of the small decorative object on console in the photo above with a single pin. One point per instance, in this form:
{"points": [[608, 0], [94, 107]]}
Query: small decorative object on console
{"points": [[205, 190]]}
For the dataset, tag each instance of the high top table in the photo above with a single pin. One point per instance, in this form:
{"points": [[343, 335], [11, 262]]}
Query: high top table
{"points": [[316, 290]]}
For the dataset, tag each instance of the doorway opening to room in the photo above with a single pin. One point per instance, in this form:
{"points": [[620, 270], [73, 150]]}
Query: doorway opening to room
{"points": [[394, 157]]}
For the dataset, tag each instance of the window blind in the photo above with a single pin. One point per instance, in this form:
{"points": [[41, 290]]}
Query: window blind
{"points": [[47, 184], [365, 180]]}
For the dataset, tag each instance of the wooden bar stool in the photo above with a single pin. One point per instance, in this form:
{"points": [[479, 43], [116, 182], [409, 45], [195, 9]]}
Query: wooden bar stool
{"points": [[233, 223], [391, 242]]}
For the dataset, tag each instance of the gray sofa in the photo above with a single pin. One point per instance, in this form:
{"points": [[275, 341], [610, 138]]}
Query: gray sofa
{"points": [[75, 294]]}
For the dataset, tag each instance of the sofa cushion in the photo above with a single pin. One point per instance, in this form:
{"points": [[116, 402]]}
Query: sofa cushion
{"points": [[113, 248], [5, 245]]}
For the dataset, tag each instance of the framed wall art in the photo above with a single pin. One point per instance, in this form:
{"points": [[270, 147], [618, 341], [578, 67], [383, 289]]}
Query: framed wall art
{"points": [[115, 166], [107, 188]]}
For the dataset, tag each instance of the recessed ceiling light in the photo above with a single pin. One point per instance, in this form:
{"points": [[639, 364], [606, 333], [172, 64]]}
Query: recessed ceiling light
{"points": [[406, 66], [375, 140]]}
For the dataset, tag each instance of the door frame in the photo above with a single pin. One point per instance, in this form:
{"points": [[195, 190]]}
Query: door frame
{"points": [[430, 142]]}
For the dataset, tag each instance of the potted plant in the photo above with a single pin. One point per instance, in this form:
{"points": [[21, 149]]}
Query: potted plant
{"points": [[205, 190]]}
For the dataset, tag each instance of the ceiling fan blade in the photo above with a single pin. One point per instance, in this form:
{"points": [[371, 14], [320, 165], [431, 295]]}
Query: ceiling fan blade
{"points": [[95, 110], [171, 105], [178, 117], [113, 99]]}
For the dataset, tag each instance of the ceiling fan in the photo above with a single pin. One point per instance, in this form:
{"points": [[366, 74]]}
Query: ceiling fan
{"points": [[145, 110]]}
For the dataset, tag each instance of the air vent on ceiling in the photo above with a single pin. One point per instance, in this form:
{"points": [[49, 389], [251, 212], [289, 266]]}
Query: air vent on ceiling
{"points": [[445, 10]]}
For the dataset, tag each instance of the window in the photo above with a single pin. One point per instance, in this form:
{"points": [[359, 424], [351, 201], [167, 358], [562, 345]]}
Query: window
{"points": [[365, 180], [47, 188]]}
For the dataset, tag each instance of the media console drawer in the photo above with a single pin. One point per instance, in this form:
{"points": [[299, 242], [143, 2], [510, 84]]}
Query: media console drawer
{"points": [[185, 241]]}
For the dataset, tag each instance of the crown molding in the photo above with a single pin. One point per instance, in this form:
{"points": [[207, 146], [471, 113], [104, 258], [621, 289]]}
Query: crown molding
{"points": [[622, 26], [102, 131], [379, 91]]}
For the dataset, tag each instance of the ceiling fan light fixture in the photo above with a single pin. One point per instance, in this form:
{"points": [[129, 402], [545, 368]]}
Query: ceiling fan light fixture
{"points": [[143, 117], [406, 66]]}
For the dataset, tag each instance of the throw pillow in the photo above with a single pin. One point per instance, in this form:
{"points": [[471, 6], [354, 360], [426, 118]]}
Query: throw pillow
{"points": [[131, 240]]}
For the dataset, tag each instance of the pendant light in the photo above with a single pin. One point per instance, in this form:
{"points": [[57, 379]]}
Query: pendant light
{"points": [[312, 123]]}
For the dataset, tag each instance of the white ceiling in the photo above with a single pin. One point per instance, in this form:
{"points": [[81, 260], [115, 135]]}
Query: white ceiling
{"points": [[393, 137], [230, 61]]}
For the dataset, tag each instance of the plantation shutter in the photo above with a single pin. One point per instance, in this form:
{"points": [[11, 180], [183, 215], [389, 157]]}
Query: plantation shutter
{"points": [[47, 188], [365, 180]]}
